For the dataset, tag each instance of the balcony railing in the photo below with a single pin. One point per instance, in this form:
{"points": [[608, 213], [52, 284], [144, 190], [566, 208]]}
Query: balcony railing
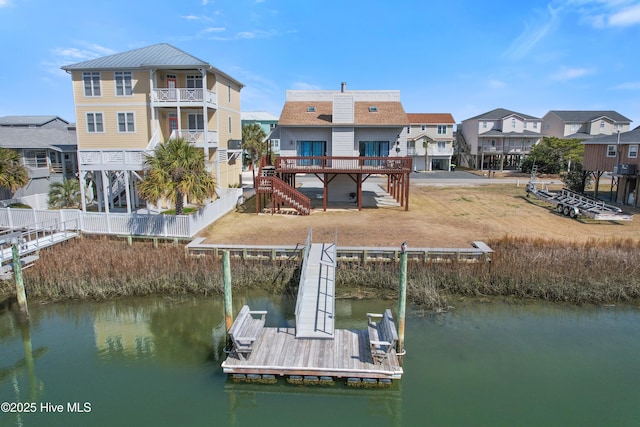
{"points": [[505, 150], [112, 159], [343, 164], [198, 137], [184, 96]]}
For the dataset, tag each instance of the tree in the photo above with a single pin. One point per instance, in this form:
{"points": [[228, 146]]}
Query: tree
{"points": [[64, 194], [253, 143], [176, 169], [12, 174], [554, 155]]}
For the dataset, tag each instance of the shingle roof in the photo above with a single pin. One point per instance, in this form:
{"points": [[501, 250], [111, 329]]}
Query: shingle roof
{"points": [[430, 118], [28, 120], [161, 55], [390, 113], [582, 116], [630, 137], [501, 113], [53, 138]]}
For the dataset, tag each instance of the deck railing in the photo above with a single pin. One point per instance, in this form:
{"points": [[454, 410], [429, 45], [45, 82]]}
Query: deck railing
{"points": [[184, 96], [338, 163]]}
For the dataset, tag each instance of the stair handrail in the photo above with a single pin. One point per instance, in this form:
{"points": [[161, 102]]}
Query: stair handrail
{"points": [[279, 185]]}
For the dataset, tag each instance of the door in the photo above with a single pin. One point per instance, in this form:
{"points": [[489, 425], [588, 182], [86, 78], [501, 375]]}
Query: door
{"points": [[173, 122], [172, 83]]}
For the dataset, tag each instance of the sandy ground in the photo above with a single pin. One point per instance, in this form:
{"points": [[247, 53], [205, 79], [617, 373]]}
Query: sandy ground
{"points": [[444, 216]]}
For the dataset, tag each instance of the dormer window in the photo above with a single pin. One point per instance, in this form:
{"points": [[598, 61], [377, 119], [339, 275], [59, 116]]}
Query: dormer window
{"points": [[373, 109], [311, 109]]}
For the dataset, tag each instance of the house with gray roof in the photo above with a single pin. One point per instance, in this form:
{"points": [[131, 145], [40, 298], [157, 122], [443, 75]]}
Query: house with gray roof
{"points": [[47, 146], [129, 102], [583, 124], [498, 139]]}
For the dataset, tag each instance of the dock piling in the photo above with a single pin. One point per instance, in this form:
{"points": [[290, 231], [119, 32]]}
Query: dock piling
{"points": [[402, 300], [228, 306], [17, 275]]}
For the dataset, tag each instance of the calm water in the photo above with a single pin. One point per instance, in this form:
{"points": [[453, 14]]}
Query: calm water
{"points": [[155, 362]]}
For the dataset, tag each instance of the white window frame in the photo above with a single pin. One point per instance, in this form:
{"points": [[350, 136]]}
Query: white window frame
{"points": [[94, 122], [125, 78], [611, 150], [535, 125], [442, 129], [601, 124], [484, 125], [513, 123], [126, 115], [95, 80], [196, 115], [633, 151], [194, 80]]}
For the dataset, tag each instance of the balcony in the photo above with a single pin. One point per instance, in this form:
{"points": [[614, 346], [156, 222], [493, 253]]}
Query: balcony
{"points": [[112, 159], [184, 97], [434, 150], [198, 137]]}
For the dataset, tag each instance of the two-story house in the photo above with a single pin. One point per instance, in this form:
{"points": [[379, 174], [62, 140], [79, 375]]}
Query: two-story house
{"points": [[342, 137], [583, 124], [47, 146], [129, 102], [498, 139], [267, 123], [430, 140], [617, 154]]}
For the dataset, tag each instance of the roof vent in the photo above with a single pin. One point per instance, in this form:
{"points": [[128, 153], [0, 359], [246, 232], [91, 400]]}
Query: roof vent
{"points": [[311, 109], [373, 109], [343, 87]]}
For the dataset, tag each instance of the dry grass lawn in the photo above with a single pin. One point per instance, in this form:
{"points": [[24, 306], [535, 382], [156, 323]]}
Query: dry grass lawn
{"points": [[438, 217]]}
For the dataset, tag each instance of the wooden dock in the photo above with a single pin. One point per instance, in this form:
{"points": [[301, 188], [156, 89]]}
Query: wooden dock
{"points": [[314, 349]]}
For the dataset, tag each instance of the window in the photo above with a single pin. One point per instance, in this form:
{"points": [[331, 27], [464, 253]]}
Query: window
{"points": [[513, 123], [633, 151], [601, 124], [229, 90], [535, 125], [195, 121], [95, 123], [311, 109], [611, 150], [441, 146], [123, 83], [423, 127], [194, 82], [230, 124], [91, 83], [310, 149], [272, 126], [126, 122], [484, 125], [35, 158], [408, 130], [442, 129], [373, 109]]}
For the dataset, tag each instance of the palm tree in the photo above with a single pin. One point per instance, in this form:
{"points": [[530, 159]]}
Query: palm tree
{"points": [[176, 169], [253, 143], [12, 174], [64, 194]]}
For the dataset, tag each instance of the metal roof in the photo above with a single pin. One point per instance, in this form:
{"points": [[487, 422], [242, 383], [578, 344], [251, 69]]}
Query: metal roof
{"points": [[501, 113], [258, 116], [161, 55], [582, 116]]}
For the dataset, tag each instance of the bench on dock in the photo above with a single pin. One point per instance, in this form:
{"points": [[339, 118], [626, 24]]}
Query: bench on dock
{"points": [[382, 334], [245, 330]]}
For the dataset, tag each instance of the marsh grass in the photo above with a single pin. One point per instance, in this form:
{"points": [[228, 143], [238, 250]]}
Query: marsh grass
{"points": [[587, 273]]}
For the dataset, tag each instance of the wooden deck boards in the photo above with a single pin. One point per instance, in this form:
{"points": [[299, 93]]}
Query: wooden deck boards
{"points": [[279, 352]]}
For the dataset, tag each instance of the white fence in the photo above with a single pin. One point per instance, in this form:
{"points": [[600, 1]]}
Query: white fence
{"points": [[123, 223]]}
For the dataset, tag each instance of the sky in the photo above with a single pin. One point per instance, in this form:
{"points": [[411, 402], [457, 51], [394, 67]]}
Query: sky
{"points": [[463, 57]]}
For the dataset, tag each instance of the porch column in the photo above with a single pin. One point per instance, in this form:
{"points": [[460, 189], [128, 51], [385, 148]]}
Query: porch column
{"points": [[406, 189], [152, 85], [325, 185], [83, 199], [127, 191], [105, 193], [359, 185]]}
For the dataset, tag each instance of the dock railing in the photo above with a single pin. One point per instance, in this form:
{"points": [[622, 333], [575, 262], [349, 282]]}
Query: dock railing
{"points": [[305, 257]]}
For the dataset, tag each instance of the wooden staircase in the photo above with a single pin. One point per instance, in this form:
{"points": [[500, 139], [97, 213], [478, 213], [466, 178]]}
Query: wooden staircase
{"points": [[280, 192]]}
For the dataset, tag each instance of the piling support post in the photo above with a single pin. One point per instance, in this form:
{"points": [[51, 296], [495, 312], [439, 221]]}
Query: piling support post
{"points": [[402, 300], [228, 306], [17, 275]]}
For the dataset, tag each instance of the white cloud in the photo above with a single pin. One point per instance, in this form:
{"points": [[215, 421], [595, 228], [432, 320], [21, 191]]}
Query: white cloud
{"points": [[566, 73], [190, 17], [247, 35], [4, 3], [214, 29], [628, 86], [626, 17], [304, 86], [534, 31], [606, 13]]}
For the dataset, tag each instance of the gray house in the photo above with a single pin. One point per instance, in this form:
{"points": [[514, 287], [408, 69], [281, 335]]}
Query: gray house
{"points": [[583, 124], [47, 146]]}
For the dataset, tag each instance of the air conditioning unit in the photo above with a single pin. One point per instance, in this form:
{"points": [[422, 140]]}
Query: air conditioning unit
{"points": [[627, 169]]}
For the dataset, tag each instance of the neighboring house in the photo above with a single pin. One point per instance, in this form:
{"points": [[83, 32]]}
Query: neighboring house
{"points": [[617, 154], [499, 139], [349, 125], [267, 122], [430, 140], [583, 125], [47, 146], [129, 102]]}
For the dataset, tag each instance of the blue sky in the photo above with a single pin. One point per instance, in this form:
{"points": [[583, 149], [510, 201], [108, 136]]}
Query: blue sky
{"points": [[461, 57]]}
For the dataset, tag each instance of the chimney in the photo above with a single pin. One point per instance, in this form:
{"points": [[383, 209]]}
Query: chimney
{"points": [[343, 86]]}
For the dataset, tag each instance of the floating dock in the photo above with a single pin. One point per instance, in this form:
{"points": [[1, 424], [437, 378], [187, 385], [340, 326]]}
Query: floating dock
{"points": [[314, 352]]}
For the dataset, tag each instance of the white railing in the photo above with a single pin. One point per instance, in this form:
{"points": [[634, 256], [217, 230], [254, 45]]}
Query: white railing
{"points": [[434, 150], [198, 137], [125, 159], [126, 224], [155, 140], [305, 257], [184, 96]]}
